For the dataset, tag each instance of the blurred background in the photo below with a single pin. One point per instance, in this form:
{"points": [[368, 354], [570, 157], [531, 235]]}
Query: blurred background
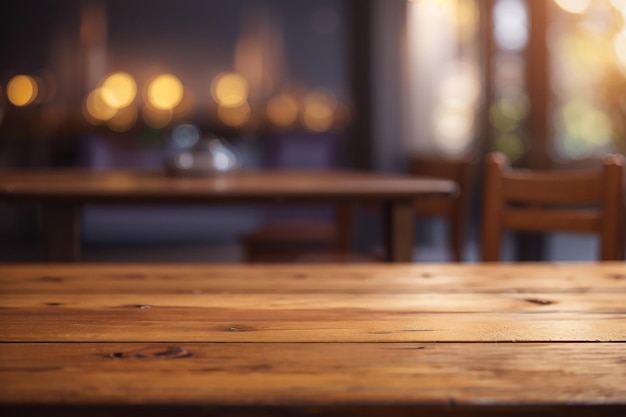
{"points": [[365, 84]]}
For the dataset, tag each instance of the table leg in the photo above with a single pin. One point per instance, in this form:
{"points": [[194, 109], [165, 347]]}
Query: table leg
{"points": [[61, 233], [398, 230]]}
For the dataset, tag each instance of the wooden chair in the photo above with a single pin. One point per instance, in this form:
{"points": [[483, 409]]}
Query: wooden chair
{"points": [[540, 201], [455, 209], [291, 241]]}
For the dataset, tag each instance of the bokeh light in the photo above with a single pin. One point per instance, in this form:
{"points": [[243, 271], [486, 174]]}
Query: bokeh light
{"points": [[185, 135], [123, 119], [318, 110], [462, 84], [510, 19], [620, 6], [164, 92], [119, 90], [579, 59], [619, 46], [229, 89], [467, 18], [583, 129], [453, 128], [282, 110], [573, 6], [234, 116], [507, 113], [22, 90], [97, 108], [510, 144]]}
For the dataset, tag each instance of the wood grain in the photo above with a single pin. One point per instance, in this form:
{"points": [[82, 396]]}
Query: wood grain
{"points": [[235, 340], [553, 278], [331, 374], [154, 324]]}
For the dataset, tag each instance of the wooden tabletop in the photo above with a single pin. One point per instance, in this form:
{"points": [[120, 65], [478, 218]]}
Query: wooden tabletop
{"points": [[87, 186], [440, 339]]}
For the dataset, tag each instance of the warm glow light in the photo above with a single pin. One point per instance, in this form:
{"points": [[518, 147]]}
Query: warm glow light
{"points": [[282, 110], [164, 92], [156, 118], [580, 59], [573, 6], [453, 128], [620, 6], [318, 110], [462, 85], [466, 18], [229, 89], [234, 116], [22, 90], [96, 106], [119, 90], [124, 119], [585, 129], [619, 46]]}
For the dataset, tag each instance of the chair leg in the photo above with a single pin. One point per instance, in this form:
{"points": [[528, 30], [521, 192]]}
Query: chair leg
{"points": [[455, 238]]}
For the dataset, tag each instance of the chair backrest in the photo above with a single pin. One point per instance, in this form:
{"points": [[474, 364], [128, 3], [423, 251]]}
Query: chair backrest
{"points": [[547, 201]]}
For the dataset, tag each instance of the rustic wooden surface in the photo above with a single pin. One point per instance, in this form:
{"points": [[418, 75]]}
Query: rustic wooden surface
{"points": [[63, 192], [440, 339]]}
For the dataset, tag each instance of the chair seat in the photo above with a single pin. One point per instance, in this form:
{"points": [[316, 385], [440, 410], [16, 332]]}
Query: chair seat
{"points": [[287, 241], [292, 232], [337, 257]]}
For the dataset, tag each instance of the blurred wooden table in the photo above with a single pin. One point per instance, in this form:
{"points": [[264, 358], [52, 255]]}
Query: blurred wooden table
{"points": [[372, 340], [63, 192]]}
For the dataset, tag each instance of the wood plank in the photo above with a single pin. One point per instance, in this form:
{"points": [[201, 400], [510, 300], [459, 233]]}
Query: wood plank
{"points": [[546, 278], [137, 323], [347, 306], [545, 187], [314, 374], [540, 220]]}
